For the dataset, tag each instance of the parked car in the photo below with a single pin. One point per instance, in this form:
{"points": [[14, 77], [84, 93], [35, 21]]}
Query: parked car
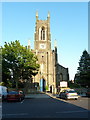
{"points": [[3, 92], [15, 96], [88, 93], [69, 94]]}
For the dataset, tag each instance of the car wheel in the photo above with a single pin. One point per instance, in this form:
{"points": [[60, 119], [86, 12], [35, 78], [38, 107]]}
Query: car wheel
{"points": [[20, 99], [3, 98], [75, 98], [65, 97], [59, 96], [8, 100]]}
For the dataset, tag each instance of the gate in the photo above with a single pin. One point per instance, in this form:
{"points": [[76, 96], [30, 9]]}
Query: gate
{"points": [[42, 85]]}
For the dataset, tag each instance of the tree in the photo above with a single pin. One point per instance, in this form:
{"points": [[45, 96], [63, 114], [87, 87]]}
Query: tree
{"points": [[84, 69], [19, 61]]}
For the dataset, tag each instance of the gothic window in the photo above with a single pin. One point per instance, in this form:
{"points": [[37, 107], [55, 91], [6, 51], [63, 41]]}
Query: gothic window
{"points": [[42, 33], [61, 77]]}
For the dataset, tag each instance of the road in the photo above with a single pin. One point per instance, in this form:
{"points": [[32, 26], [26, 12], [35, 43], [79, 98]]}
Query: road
{"points": [[82, 102], [44, 108]]}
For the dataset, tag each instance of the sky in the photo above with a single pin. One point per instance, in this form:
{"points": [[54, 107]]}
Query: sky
{"points": [[68, 25]]}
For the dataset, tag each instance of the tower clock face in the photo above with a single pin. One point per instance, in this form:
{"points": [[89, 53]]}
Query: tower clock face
{"points": [[42, 46]]}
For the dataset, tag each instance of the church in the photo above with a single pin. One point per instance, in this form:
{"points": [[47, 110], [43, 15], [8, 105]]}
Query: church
{"points": [[51, 72]]}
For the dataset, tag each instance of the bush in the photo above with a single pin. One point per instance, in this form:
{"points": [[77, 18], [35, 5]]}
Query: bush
{"points": [[46, 88], [73, 85]]}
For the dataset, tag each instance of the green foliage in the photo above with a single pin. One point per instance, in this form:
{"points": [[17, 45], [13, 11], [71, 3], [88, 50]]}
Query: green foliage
{"points": [[18, 61], [2, 83], [83, 75], [84, 63], [46, 87], [73, 85]]}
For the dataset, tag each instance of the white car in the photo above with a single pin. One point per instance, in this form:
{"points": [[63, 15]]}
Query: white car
{"points": [[69, 94], [3, 92]]}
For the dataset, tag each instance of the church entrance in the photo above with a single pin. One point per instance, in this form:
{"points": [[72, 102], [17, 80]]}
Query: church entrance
{"points": [[50, 89], [42, 85]]}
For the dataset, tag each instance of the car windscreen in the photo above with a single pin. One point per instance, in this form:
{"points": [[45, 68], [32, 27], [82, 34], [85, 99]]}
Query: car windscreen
{"points": [[13, 92], [71, 91]]}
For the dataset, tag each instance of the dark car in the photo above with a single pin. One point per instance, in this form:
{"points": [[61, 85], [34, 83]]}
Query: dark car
{"points": [[15, 96], [69, 94], [88, 93]]}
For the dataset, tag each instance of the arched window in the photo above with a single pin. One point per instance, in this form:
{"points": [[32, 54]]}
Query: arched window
{"points": [[61, 77], [42, 33]]}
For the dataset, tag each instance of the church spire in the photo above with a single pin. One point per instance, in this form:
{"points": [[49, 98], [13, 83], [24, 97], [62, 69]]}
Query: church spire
{"points": [[36, 15], [55, 43], [48, 17], [28, 44], [48, 14]]}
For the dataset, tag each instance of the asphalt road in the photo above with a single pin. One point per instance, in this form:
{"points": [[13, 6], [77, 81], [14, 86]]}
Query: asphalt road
{"points": [[44, 108], [83, 102]]}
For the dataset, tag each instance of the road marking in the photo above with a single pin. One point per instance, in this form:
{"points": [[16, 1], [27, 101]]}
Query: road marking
{"points": [[22, 101], [73, 111], [14, 114]]}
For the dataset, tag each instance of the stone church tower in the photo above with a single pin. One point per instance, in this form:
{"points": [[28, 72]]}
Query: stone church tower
{"points": [[48, 76]]}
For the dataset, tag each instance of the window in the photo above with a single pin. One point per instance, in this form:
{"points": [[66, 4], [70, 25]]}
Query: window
{"points": [[43, 33], [61, 77]]}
